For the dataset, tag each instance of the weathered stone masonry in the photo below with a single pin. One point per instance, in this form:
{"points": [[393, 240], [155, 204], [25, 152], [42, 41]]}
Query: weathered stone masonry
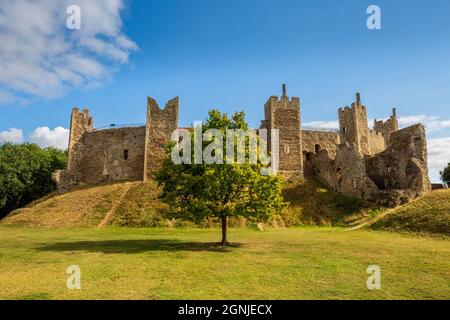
{"points": [[384, 165]]}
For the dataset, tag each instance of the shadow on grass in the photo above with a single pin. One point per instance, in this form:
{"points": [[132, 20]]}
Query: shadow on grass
{"points": [[137, 246]]}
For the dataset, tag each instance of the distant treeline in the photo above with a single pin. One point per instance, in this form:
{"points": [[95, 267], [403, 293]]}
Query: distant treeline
{"points": [[26, 174]]}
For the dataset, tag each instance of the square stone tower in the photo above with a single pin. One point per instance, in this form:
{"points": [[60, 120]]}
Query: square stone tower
{"points": [[353, 126], [284, 114], [159, 127], [80, 123]]}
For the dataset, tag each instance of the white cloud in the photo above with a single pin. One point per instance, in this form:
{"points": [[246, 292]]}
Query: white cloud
{"points": [[12, 135], [40, 57], [438, 156], [45, 137]]}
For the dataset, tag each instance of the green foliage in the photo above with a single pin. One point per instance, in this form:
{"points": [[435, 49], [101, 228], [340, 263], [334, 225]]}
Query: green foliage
{"points": [[445, 174], [195, 192], [25, 173]]}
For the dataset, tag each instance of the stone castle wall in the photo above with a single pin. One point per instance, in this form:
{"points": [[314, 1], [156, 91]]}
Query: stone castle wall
{"points": [[113, 155], [384, 165], [377, 142], [314, 141]]}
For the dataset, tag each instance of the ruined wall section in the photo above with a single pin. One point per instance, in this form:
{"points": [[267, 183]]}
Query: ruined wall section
{"points": [[346, 173], [404, 164], [159, 127], [284, 114], [386, 128], [313, 142], [390, 178]]}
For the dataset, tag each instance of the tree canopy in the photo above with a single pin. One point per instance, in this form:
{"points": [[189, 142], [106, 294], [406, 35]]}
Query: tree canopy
{"points": [[219, 190], [445, 174], [26, 173]]}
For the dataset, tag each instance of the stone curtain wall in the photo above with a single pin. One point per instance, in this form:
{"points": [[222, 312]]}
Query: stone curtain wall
{"points": [[376, 142], [324, 140], [113, 155]]}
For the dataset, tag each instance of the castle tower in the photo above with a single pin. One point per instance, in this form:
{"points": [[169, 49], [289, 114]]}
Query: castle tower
{"points": [[388, 127], [159, 127], [80, 123], [353, 126], [284, 114]]}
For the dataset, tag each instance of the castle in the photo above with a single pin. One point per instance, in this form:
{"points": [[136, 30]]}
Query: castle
{"points": [[383, 164]]}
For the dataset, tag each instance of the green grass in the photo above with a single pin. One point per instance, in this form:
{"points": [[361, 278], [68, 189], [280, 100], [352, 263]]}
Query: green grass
{"points": [[312, 203], [156, 263], [429, 214]]}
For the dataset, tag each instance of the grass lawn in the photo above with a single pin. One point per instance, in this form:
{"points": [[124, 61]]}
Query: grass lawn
{"points": [[296, 263]]}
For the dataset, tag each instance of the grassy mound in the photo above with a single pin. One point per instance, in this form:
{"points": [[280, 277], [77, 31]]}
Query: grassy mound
{"points": [[81, 207], [136, 204], [429, 214]]}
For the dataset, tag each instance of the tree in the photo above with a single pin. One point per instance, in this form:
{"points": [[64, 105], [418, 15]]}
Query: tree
{"points": [[26, 173], [197, 191], [445, 174]]}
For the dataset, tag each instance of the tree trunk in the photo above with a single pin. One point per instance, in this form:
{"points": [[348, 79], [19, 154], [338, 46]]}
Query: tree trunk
{"points": [[224, 230]]}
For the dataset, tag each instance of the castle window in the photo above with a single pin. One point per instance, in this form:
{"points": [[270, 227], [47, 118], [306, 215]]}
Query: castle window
{"points": [[125, 154], [317, 148], [344, 129]]}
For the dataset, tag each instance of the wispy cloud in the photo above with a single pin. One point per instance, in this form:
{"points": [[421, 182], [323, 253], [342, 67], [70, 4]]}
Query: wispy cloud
{"points": [[432, 123], [40, 57]]}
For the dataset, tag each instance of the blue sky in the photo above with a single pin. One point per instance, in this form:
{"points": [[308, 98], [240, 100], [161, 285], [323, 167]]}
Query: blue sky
{"points": [[230, 55]]}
